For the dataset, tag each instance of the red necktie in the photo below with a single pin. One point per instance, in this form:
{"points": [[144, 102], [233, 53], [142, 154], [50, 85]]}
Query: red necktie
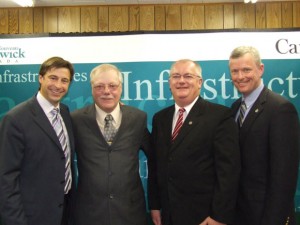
{"points": [[178, 124]]}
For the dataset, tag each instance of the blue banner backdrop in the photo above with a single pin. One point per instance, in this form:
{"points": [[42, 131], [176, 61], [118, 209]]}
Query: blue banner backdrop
{"points": [[145, 85]]}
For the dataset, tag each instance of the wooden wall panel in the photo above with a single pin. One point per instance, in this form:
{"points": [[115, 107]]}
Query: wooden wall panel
{"points": [[103, 19], [68, 19], [244, 16], [147, 18], [228, 16], [287, 15], [89, 19], [122, 18], [214, 17], [118, 18], [134, 18], [13, 21], [159, 17], [173, 17], [38, 20], [296, 14], [3, 21], [51, 20], [260, 16], [26, 20], [273, 15], [192, 17]]}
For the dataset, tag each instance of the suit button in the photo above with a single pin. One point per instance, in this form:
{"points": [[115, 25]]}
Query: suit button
{"points": [[170, 159], [62, 182], [170, 179], [111, 196], [60, 205]]}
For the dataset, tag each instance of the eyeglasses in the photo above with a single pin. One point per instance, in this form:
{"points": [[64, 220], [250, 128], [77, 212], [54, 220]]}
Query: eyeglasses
{"points": [[102, 87], [186, 76]]}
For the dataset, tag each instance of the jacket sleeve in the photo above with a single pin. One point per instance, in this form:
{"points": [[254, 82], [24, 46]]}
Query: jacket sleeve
{"points": [[11, 156]]}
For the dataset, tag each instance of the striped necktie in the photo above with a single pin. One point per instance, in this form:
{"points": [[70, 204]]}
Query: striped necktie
{"points": [[57, 125], [243, 109], [178, 124]]}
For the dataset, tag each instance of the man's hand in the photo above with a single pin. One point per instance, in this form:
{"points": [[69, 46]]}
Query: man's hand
{"points": [[210, 221], [156, 217]]}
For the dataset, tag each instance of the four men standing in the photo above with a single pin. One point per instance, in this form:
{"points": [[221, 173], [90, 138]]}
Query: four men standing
{"points": [[206, 167]]}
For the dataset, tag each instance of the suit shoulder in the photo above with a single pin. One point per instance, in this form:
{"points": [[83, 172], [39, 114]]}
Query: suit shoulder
{"points": [[134, 110], [21, 109], [217, 107], [163, 111], [80, 112]]}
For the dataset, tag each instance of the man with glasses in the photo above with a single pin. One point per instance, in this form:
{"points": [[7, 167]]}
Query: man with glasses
{"points": [[196, 155], [108, 138]]}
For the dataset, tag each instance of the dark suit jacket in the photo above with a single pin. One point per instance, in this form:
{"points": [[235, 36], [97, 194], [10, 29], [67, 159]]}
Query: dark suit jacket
{"points": [[110, 191], [197, 175], [32, 166], [269, 142]]}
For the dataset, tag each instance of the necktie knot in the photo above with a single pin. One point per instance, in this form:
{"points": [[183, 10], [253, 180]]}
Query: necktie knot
{"points": [[108, 118], [55, 111]]}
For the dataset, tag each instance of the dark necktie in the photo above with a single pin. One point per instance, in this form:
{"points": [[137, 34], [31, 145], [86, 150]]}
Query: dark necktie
{"points": [[57, 125], [178, 124], [243, 109], [109, 129]]}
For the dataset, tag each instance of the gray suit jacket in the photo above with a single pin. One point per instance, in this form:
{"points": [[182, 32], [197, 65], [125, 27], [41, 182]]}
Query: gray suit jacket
{"points": [[110, 191], [32, 166], [269, 143]]}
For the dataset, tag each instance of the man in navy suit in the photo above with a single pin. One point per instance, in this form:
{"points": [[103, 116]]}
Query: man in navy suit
{"points": [[269, 143], [197, 168], [33, 187]]}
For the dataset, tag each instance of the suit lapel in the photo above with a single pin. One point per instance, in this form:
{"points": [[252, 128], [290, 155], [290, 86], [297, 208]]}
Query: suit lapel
{"points": [[192, 120], [254, 112], [125, 123], [91, 122], [166, 124], [42, 120]]}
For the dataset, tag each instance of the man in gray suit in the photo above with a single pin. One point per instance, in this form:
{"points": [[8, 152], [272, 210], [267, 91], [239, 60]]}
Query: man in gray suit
{"points": [[108, 137], [35, 181], [269, 143]]}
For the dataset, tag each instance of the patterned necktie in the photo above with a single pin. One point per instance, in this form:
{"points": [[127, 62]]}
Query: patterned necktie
{"points": [[243, 109], [109, 129], [178, 124], [57, 125]]}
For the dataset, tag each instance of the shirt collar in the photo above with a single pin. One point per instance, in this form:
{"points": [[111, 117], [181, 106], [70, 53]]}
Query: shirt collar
{"points": [[187, 108], [251, 98], [45, 104]]}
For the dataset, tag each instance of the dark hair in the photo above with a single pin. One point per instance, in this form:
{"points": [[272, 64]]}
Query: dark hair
{"points": [[56, 62]]}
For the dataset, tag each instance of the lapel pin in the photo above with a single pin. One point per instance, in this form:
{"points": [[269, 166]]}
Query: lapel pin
{"points": [[190, 122], [256, 110]]}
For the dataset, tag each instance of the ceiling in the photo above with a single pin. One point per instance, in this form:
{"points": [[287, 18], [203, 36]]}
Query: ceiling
{"points": [[11, 3]]}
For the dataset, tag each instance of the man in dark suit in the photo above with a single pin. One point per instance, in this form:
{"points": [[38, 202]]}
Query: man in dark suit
{"points": [[269, 142], [34, 185], [108, 137], [198, 164]]}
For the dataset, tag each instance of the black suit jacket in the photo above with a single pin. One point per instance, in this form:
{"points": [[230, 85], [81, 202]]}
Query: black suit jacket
{"points": [[269, 143], [110, 191], [197, 175], [32, 166]]}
